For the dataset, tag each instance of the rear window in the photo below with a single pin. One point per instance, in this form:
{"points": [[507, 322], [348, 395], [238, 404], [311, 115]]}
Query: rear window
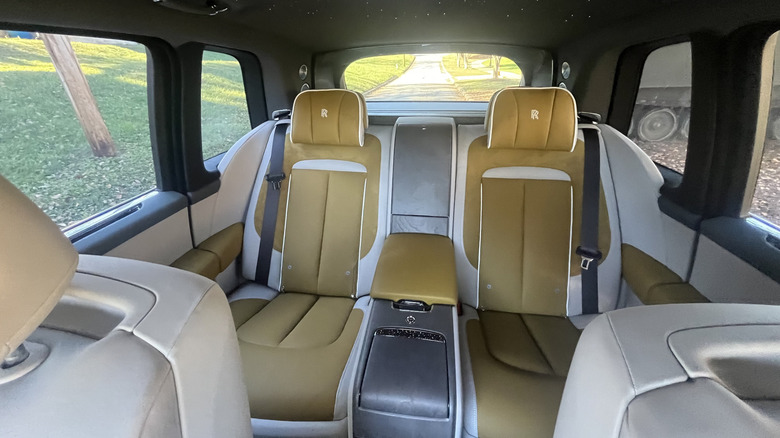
{"points": [[439, 77]]}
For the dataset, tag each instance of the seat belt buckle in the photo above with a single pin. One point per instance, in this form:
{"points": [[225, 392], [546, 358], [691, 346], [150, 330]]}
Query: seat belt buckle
{"points": [[275, 180], [588, 256]]}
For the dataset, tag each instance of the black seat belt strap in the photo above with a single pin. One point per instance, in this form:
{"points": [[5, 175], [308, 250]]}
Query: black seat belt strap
{"points": [[589, 232], [274, 179]]}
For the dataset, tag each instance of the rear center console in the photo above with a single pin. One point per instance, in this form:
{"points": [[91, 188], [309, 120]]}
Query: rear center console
{"points": [[408, 377]]}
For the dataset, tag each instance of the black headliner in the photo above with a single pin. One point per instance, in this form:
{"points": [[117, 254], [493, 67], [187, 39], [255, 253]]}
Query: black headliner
{"points": [[327, 25]]}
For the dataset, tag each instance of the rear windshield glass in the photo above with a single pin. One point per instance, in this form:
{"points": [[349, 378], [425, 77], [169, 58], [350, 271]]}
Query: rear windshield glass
{"points": [[438, 77]]}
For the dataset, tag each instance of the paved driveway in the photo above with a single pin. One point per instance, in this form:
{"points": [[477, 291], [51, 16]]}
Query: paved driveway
{"points": [[426, 79]]}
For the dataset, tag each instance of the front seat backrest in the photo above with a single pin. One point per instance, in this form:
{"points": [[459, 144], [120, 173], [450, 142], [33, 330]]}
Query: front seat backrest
{"points": [[707, 370], [37, 263], [121, 348]]}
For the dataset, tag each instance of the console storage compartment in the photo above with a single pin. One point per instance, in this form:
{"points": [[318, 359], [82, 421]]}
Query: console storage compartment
{"points": [[408, 382]]}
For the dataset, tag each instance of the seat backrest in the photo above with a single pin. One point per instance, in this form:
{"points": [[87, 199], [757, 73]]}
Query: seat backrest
{"points": [[113, 347], [675, 370], [523, 202], [328, 209]]}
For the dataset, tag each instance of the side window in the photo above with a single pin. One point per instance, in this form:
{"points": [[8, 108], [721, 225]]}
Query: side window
{"points": [[766, 198], [75, 134], [224, 111], [662, 111]]}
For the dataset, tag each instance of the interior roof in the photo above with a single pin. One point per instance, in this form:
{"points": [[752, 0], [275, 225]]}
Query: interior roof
{"points": [[328, 25]]}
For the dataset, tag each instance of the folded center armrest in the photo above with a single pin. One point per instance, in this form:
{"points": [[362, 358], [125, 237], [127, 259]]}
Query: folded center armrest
{"points": [[416, 267]]}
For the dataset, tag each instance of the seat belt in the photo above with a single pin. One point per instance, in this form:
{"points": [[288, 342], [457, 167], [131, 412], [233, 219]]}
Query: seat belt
{"points": [[589, 231], [274, 177]]}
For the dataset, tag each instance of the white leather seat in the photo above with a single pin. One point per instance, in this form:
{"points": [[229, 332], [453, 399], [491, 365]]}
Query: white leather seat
{"points": [[116, 347], [704, 370]]}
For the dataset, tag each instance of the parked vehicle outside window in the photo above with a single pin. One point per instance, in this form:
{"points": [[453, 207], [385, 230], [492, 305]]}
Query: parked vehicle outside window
{"points": [[662, 112], [766, 198]]}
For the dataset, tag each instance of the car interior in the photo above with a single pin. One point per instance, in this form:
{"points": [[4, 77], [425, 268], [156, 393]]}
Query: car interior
{"points": [[237, 218]]}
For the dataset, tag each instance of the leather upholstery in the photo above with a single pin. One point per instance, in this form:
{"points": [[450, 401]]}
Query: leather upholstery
{"points": [[519, 364], [328, 117], [675, 370], [294, 351], [653, 282], [322, 232], [37, 263], [533, 119], [369, 156], [134, 349], [480, 159], [295, 346], [225, 244], [524, 245], [214, 254], [200, 262], [416, 267]]}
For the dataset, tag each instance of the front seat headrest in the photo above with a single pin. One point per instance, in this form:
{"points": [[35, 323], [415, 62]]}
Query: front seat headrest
{"points": [[329, 117], [37, 263], [533, 119]]}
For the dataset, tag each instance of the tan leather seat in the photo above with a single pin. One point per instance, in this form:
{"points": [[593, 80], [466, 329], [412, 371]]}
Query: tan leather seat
{"points": [[680, 370], [295, 346], [521, 220], [114, 347]]}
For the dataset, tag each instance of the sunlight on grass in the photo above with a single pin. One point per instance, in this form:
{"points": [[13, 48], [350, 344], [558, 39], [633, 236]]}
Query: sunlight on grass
{"points": [[368, 73], [224, 112], [133, 80], [43, 148], [217, 89], [44, 151]]}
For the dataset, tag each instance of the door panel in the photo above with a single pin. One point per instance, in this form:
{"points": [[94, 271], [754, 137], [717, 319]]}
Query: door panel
{"points": [[161, 243], [724, 277]]}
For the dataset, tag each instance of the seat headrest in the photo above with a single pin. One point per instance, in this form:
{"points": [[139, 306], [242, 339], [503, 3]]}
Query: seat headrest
{"points": [[37, 263], [329, 117], [489, 111], [533, 119]]}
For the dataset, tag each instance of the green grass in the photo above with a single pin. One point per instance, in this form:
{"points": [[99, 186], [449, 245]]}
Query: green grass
{"points": [[479, 65], [480, 90], [450, 62], [365, 74], [42, 147], [224, 113]]}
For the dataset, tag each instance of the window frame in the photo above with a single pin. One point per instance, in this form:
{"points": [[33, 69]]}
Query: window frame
{"points": [[201, 177], [685, 194], [162, 139], [342, 83], [673, 177], [762, 120], [209, 162]]}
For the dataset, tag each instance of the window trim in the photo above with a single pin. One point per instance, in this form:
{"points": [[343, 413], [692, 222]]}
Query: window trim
{"points": [[762, 120], [162, 138], [395, 100], [690, 189], [247, 100], [199, 181]]}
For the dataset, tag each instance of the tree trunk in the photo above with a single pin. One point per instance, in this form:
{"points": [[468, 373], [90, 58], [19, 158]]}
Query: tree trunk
{"points": [[496, 66], [67, 66]]}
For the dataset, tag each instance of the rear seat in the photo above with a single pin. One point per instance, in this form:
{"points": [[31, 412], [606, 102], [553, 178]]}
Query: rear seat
{"points": [[295, 345], [516, 220], [521, 217]]}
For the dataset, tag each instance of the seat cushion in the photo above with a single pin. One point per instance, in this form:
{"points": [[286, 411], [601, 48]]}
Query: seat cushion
{"points": [[519, 363], [294, 349]]}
